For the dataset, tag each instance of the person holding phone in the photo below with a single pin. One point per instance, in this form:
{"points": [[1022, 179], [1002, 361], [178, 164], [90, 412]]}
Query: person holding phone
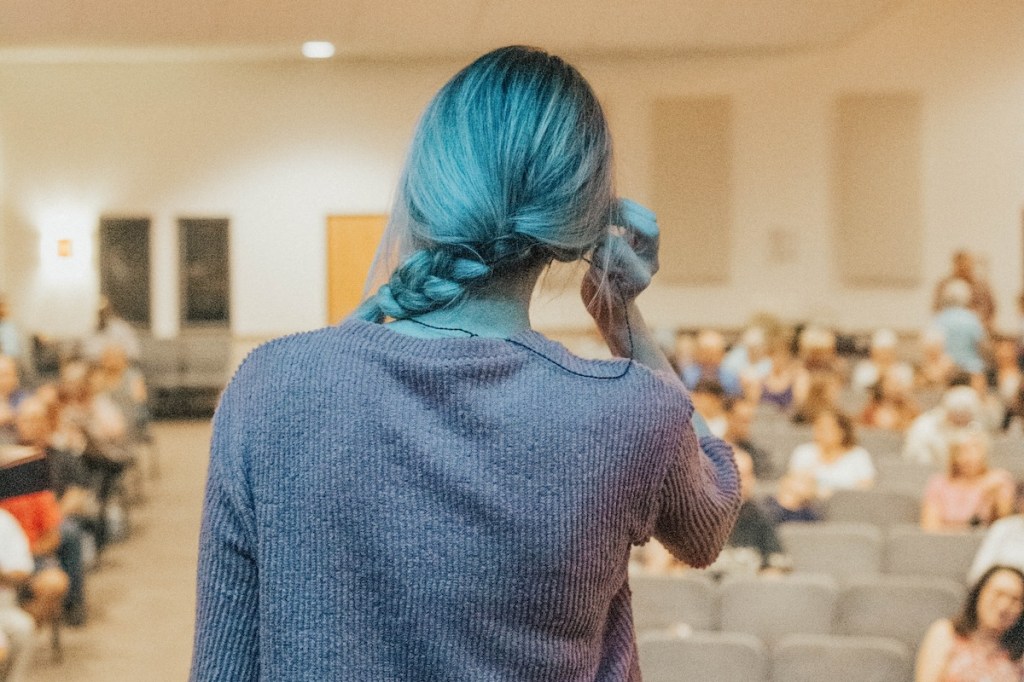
{"points": [[432, 489]]}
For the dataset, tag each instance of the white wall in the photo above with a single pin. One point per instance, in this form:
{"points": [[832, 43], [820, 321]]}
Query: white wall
{"points": [[278, 147]]}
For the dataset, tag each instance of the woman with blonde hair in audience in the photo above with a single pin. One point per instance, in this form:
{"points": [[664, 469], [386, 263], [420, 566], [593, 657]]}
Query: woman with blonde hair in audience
{"points": [[985, 642], [833, 458], [891, 405], [968, 494]]}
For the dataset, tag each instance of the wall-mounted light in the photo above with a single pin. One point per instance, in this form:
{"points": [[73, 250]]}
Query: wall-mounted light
{"points": [[318, 49], [64, 248]]}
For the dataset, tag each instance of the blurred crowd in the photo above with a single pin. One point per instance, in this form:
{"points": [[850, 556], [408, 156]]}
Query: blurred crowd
{"points": [[811, 412], [73, 449]]}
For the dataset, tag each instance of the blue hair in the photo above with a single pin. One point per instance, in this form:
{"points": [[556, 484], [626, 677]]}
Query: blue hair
{"points": [[510, 167]]}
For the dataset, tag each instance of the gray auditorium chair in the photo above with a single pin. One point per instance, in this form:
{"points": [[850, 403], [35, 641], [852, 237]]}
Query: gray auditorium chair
{"points": [[841, 550], [771, 607], [912, 551], [661, 602], [881, 443], [903, 476], [883, 508], [813, 658], [712, 656], [900, 607]]}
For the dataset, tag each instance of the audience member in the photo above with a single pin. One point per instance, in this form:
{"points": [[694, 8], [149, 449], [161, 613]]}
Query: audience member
{"points": [[38, 514], [753, 545], [750, 361], [70, 483], [777, 386], [795, 499], [10, 337], [17, 626], [709, 401], [111, 330], [968, 494], [936, 368], [1005, 374], [821, 394], [964, 333], [126, 388], [870, 371], [11, 395], [1003, 544], [986, 641], [979, 297], [707, 365], [833, 458], [891, 405], [739, 417], [928, 437]]}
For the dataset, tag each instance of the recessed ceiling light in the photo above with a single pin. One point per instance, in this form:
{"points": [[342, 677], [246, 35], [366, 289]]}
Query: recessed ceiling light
{"points": [[318, 49]]}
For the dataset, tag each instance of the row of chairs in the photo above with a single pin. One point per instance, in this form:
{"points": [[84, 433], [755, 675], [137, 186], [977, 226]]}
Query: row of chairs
{"points": [[769, 608], [849, 550], [738, 657]]}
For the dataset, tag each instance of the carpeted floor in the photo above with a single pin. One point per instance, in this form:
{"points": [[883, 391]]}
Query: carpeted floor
{"points": [[141, 598]]}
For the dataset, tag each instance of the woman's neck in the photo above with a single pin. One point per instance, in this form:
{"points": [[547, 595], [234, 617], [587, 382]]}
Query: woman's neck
{"points": [[499, 310]]}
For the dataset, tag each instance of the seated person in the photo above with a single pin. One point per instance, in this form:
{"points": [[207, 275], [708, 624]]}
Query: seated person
{"points": [[986, 641], [1003, 544], [738, 419], [869, 372], [795, 500], [753, 545], [833, 458], [709, 401], [930, 435], [1005, 374], [38, 514], [776, 388], [70, 482], [821, 394], [936, 368], [891, 405], [11, 395], [968, 494], [17, 628], [707, 365]]}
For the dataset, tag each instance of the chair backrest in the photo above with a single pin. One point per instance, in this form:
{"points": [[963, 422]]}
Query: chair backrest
{"points": [[880, 507], [770, 608], [900, 607], [663, 602], [881, 443], [912, 551], [812, 658], [842, 550], [718, 656], [904, 476], [1008, 453]]}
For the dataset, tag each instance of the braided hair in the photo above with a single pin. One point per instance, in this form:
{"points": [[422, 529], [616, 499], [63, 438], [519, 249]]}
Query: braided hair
{"points": [[510, 168]]}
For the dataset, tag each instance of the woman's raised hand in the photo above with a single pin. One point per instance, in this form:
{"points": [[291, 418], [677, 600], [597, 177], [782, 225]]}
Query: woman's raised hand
{"points": [[628, 258]]}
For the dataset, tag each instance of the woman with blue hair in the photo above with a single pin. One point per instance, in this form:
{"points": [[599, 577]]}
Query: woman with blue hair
{"points": [[431, 489]]}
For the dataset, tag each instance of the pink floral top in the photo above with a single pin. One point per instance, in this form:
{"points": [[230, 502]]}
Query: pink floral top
{"points": [[969, 662], [959, 502]]}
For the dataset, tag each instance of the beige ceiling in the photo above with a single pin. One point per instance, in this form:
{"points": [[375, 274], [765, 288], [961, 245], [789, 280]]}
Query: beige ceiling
{"points": [[395, 29]]}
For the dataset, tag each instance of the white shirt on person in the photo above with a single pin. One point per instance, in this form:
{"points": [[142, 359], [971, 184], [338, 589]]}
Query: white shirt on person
{"points": [[1003, 546], [852, 469], [15, 556]]}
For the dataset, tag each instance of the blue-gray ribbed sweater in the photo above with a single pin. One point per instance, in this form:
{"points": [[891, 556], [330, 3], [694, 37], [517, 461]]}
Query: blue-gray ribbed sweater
{"points": [[383, 507]]}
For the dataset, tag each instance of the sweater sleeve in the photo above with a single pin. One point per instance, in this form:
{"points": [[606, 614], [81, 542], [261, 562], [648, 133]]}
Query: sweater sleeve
{"points": [[700, 500], [227, 605]]}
